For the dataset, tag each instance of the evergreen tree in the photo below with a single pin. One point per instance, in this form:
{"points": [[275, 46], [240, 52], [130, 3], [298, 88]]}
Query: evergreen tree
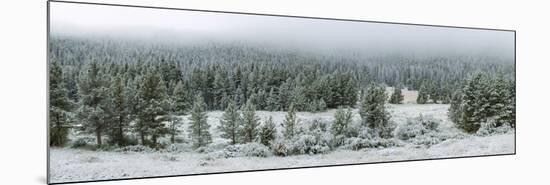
{"points": [[272, 103], [475, 103], [455, 110], [60, 107], [342, 119], [422, 95], [290, 122], [268, 132], [199, 127], [181, 99], [250, 122], [152, 103], [93, 107], [396, 97], [509, 112], [229, 125], [373, 112], [172, 119], [119, 111], [321, 105]]}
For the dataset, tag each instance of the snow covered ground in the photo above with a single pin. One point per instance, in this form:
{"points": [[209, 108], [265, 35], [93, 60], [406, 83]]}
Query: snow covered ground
{"points": [[78, 165]]}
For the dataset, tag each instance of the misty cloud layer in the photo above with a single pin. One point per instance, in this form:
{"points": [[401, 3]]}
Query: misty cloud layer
{"points": [[307, 34]]}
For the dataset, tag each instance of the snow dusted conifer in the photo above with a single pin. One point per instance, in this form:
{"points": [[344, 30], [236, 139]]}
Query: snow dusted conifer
{"points": [[422, 95], [152, 94], [119, 111], [93, 107], [455, 110], [373, 112], [199, 127], [290, 122], [475, 103], [60, 105], [180, 97], [397, 96], [268, 132], [342, 119], [229, 125], [272, 103], [250, 122]]}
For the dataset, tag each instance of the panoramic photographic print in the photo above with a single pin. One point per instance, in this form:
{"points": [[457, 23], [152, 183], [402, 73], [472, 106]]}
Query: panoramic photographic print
{"points": [[139, 92]]}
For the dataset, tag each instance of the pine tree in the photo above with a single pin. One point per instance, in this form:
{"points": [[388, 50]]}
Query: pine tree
{"points": [[321, 105], [93, 107], [119, 111], [229, 125], [60, 107], [509, 112], [342, 119], [272, 103], [396, 97], [455, 110], [299, 99], [199, 127], [181, 100], [268, 132], [250, 122], [373, 112], [475, 103], [422, 95], [172, 119], [497, 98], [152, 102], [290, 122]]}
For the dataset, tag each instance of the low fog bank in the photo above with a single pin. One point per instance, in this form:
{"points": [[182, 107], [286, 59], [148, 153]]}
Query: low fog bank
{"points": [[326, 37]]}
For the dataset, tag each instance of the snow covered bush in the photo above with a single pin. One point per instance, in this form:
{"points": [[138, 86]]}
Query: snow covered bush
{"points": [[178, 148], [416, 127], [421, 130], [356, 143], [490, 128], [82, 142], [280, 147], [134, 148], [244, 150], [314, 139]]}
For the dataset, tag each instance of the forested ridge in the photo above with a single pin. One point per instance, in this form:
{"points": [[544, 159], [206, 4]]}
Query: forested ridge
{"points": [[103, 86]]}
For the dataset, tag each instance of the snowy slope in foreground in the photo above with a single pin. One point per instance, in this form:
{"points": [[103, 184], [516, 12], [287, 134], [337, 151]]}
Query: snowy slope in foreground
{"points": [[82, 165]]}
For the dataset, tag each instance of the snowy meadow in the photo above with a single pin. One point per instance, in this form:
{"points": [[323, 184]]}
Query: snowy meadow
{"points": [[69, 164]]}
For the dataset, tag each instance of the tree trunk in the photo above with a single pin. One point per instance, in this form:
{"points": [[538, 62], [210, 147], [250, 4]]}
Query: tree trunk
{"points": [[142, 137], [172, 137], [120, 133], [98, 136]]}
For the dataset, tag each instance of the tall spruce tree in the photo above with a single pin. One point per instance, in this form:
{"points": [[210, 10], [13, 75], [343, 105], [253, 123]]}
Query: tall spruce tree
{"points": [[455, 110], [182, 103], [373, 112], [268, 131], [250, 122], [119, 111], [475, 103], [199, 127], [342, 120], [230, 123], [152, 94], [423, 95], [60, 107], [397, 96], [290, 122], [93, 105]]}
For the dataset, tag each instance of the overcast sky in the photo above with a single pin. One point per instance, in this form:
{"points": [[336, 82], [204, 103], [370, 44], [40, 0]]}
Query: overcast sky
{"points": [[70, 18]]}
